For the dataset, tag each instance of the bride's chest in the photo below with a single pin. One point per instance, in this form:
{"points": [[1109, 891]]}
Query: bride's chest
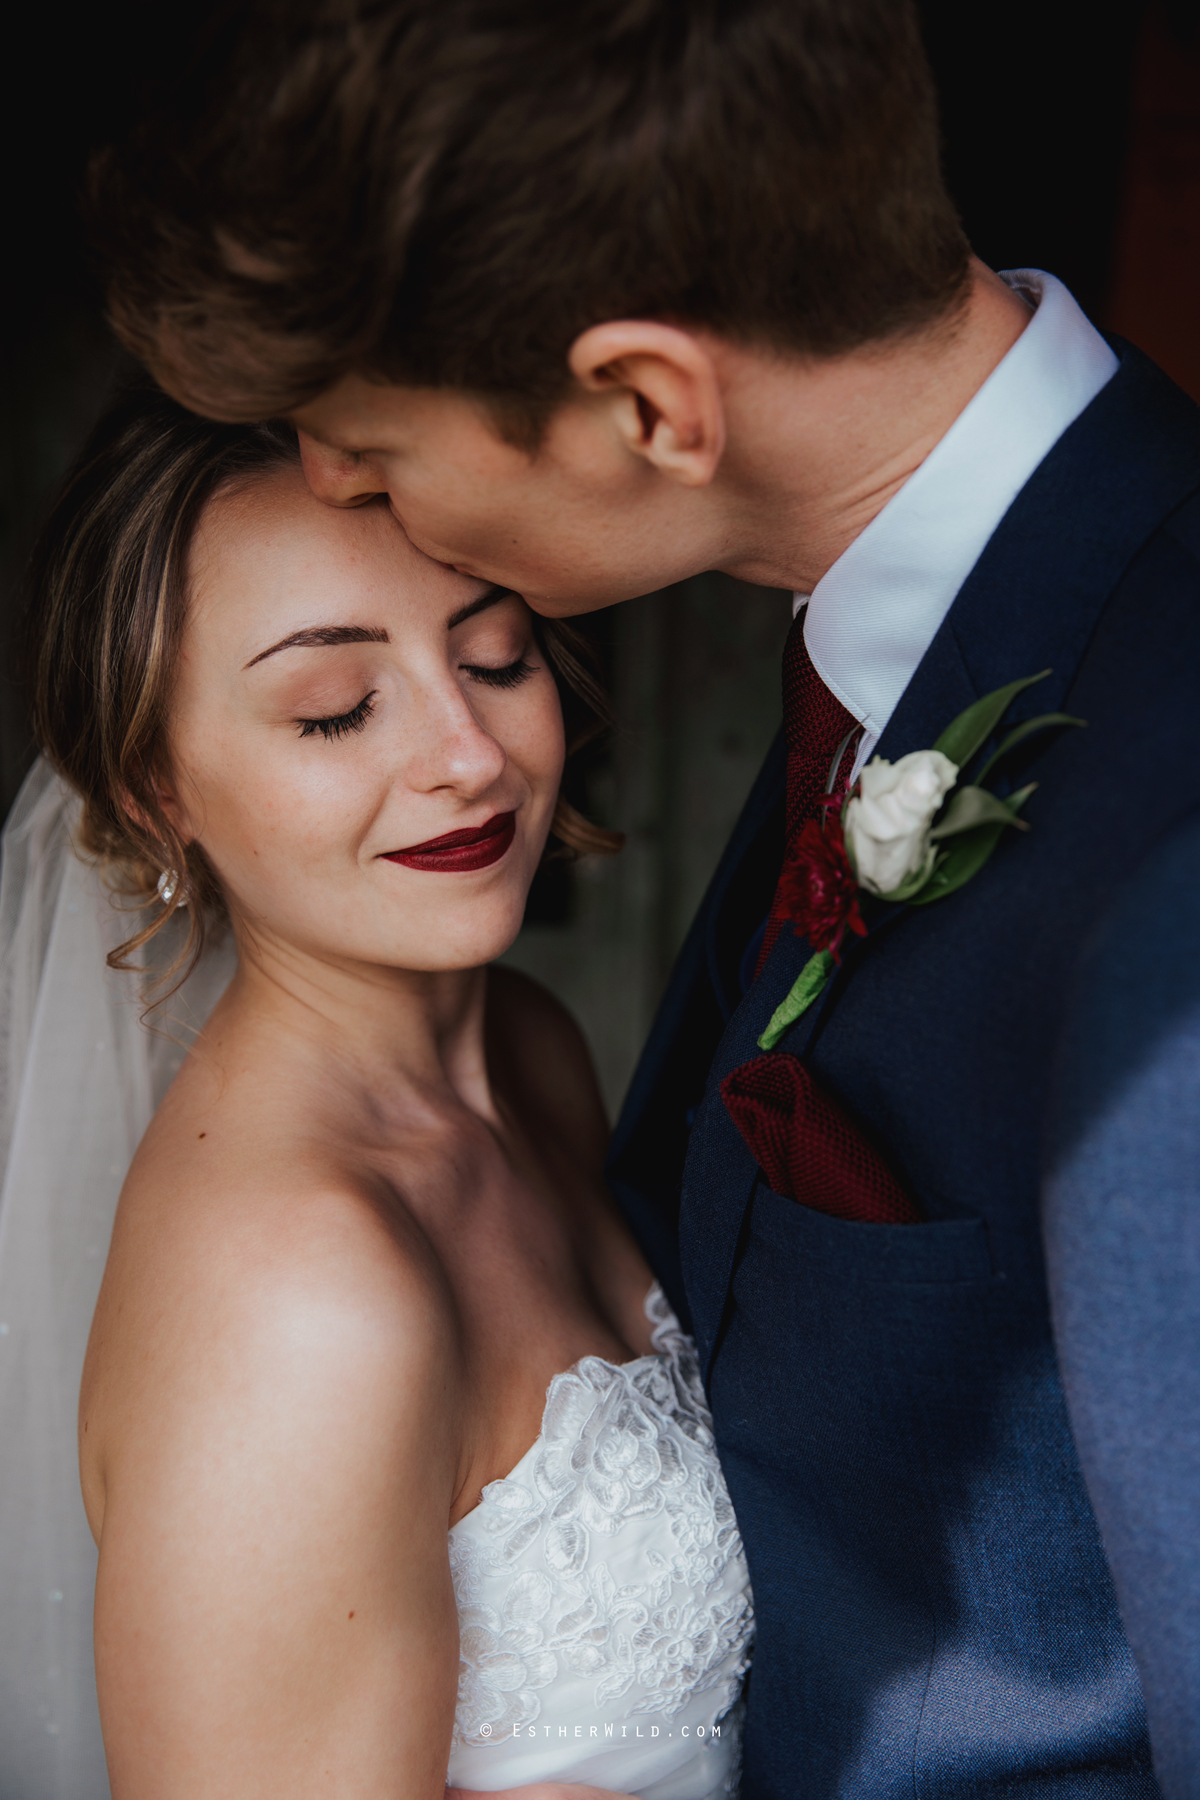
{"points": [[537, 1277]]}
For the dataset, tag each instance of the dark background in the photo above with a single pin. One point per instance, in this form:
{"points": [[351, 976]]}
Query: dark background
{"points": [[1072, 143]]}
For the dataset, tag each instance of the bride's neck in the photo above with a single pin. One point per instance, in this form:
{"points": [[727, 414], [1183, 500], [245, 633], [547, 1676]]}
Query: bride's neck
{"points": [[367, 1024]]}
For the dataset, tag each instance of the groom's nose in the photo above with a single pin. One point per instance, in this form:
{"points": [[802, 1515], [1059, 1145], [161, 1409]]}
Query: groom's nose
{"points": [[336, 476]]}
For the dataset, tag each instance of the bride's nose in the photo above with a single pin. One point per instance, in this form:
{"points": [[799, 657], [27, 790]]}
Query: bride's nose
{"points": [[449, 748], [335, 477]]}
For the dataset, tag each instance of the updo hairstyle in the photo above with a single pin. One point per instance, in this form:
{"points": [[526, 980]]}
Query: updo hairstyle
{"points": [[108, 598]]}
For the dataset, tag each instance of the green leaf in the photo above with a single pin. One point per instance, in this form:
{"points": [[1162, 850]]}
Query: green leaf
{"points": [[964, 858], [971, 806], [1043, 722], [964, 735], [803, 991]]}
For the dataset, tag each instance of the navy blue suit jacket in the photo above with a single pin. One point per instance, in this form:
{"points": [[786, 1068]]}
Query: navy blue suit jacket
{"points": [[936, 1606]]}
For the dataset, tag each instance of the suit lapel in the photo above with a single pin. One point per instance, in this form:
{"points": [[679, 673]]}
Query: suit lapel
{"points": [[1034, 597], [1031, 602]]}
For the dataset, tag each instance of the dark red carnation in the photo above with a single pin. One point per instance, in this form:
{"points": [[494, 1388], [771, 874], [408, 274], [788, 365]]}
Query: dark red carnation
{"points": [[818, 886]]}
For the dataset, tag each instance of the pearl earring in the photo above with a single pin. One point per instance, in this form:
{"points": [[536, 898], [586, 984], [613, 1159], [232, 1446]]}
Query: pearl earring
{"points": [[169, 884]]}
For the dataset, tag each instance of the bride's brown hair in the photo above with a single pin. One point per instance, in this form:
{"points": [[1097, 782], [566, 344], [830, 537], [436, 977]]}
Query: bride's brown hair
{"points": [[108, 596]]}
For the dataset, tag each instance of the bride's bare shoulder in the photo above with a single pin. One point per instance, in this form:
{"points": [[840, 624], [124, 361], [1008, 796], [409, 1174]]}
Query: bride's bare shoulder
{"points": [[536, 1044], [271, 1446], [249, 1266]]}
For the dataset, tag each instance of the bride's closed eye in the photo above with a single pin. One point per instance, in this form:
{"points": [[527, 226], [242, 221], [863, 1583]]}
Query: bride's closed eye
{"points": [[339, 724], [510, 676]]}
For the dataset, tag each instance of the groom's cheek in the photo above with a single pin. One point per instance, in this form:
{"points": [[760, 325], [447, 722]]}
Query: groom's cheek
{"points": [[453, 519]]}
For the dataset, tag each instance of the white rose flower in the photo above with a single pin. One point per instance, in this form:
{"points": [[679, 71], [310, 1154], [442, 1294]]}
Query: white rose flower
{"points": [[887, 824]]}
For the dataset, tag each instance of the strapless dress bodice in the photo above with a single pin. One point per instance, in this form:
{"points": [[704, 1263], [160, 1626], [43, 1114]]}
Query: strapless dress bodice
{"points": [[604, 1606]]}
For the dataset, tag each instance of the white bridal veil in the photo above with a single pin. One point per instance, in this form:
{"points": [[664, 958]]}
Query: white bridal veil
{"points": [[80, 1076]]}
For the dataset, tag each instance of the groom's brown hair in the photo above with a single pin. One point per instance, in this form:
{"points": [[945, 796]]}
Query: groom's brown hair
{"points": [[447, 192]]}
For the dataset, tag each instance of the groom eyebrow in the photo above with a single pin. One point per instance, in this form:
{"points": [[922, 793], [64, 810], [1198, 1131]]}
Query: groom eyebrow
{"points": [[321, 635]]}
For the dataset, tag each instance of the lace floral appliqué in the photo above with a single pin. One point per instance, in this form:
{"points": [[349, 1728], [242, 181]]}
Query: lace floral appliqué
{"points": [[611, 1552]]}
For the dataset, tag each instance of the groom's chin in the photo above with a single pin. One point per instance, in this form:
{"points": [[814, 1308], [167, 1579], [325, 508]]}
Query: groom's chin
{"points": [[571, 606]]}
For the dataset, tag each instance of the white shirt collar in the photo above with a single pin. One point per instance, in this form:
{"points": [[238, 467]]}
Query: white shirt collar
{"points": [[872, 617]]}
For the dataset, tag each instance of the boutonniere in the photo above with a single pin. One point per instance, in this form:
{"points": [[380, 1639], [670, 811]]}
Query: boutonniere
{"points": [[908, 832]]}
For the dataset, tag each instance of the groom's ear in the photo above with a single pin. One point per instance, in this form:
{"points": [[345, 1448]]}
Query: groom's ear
{"points": [[665, 390]]}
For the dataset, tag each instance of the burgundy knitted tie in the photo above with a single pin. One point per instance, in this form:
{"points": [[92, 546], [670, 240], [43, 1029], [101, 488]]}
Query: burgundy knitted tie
{"points": [[806, 1146], [815, 726]]}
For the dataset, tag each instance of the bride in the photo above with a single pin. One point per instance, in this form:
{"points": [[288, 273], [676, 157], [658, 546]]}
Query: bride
{"points": [[397, 1460]]}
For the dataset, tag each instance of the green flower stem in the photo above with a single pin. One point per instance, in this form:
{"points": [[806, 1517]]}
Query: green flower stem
{"points": [[804, 990]]}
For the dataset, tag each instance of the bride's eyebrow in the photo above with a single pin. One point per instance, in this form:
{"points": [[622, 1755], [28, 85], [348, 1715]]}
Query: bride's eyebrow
{"points": [[491, 598], [318, 635]]}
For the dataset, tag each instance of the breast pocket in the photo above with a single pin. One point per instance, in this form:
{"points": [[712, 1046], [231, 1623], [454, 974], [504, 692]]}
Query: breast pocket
{"points": [[848, 1250], [864, 1346]]}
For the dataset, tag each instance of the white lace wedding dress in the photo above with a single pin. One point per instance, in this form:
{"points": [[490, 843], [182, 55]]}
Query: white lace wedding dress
{"points": [[604, 1606]]}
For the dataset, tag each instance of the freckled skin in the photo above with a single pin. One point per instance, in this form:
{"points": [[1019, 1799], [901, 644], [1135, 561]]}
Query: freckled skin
{"points": [[320, 1336]]}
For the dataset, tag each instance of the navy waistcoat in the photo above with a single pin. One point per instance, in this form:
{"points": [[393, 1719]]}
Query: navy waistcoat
{"points": [[936, 1616]]}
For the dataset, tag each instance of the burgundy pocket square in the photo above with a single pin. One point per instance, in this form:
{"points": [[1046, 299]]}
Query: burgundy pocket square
{"points": [[808, 1148]]}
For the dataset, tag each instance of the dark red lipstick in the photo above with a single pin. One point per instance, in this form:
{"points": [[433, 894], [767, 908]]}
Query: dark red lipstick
{"points": [[471, 849]]}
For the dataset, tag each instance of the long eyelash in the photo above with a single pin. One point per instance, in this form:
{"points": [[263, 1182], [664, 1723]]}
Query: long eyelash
{"points": [[341, 723], [511, 676]]}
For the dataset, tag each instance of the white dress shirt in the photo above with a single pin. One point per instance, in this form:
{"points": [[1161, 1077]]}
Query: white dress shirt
{"points": [[872, 617]]}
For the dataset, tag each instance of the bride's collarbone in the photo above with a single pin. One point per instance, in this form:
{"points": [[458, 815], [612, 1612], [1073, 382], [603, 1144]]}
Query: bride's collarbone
{"points": [[441, 1184], [540, 1274], [536, 1281], [516, 1223], [517, 1253]]}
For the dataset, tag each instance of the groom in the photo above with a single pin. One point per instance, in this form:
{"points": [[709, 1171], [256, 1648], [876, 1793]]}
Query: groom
{"points": [[606, 294]]}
